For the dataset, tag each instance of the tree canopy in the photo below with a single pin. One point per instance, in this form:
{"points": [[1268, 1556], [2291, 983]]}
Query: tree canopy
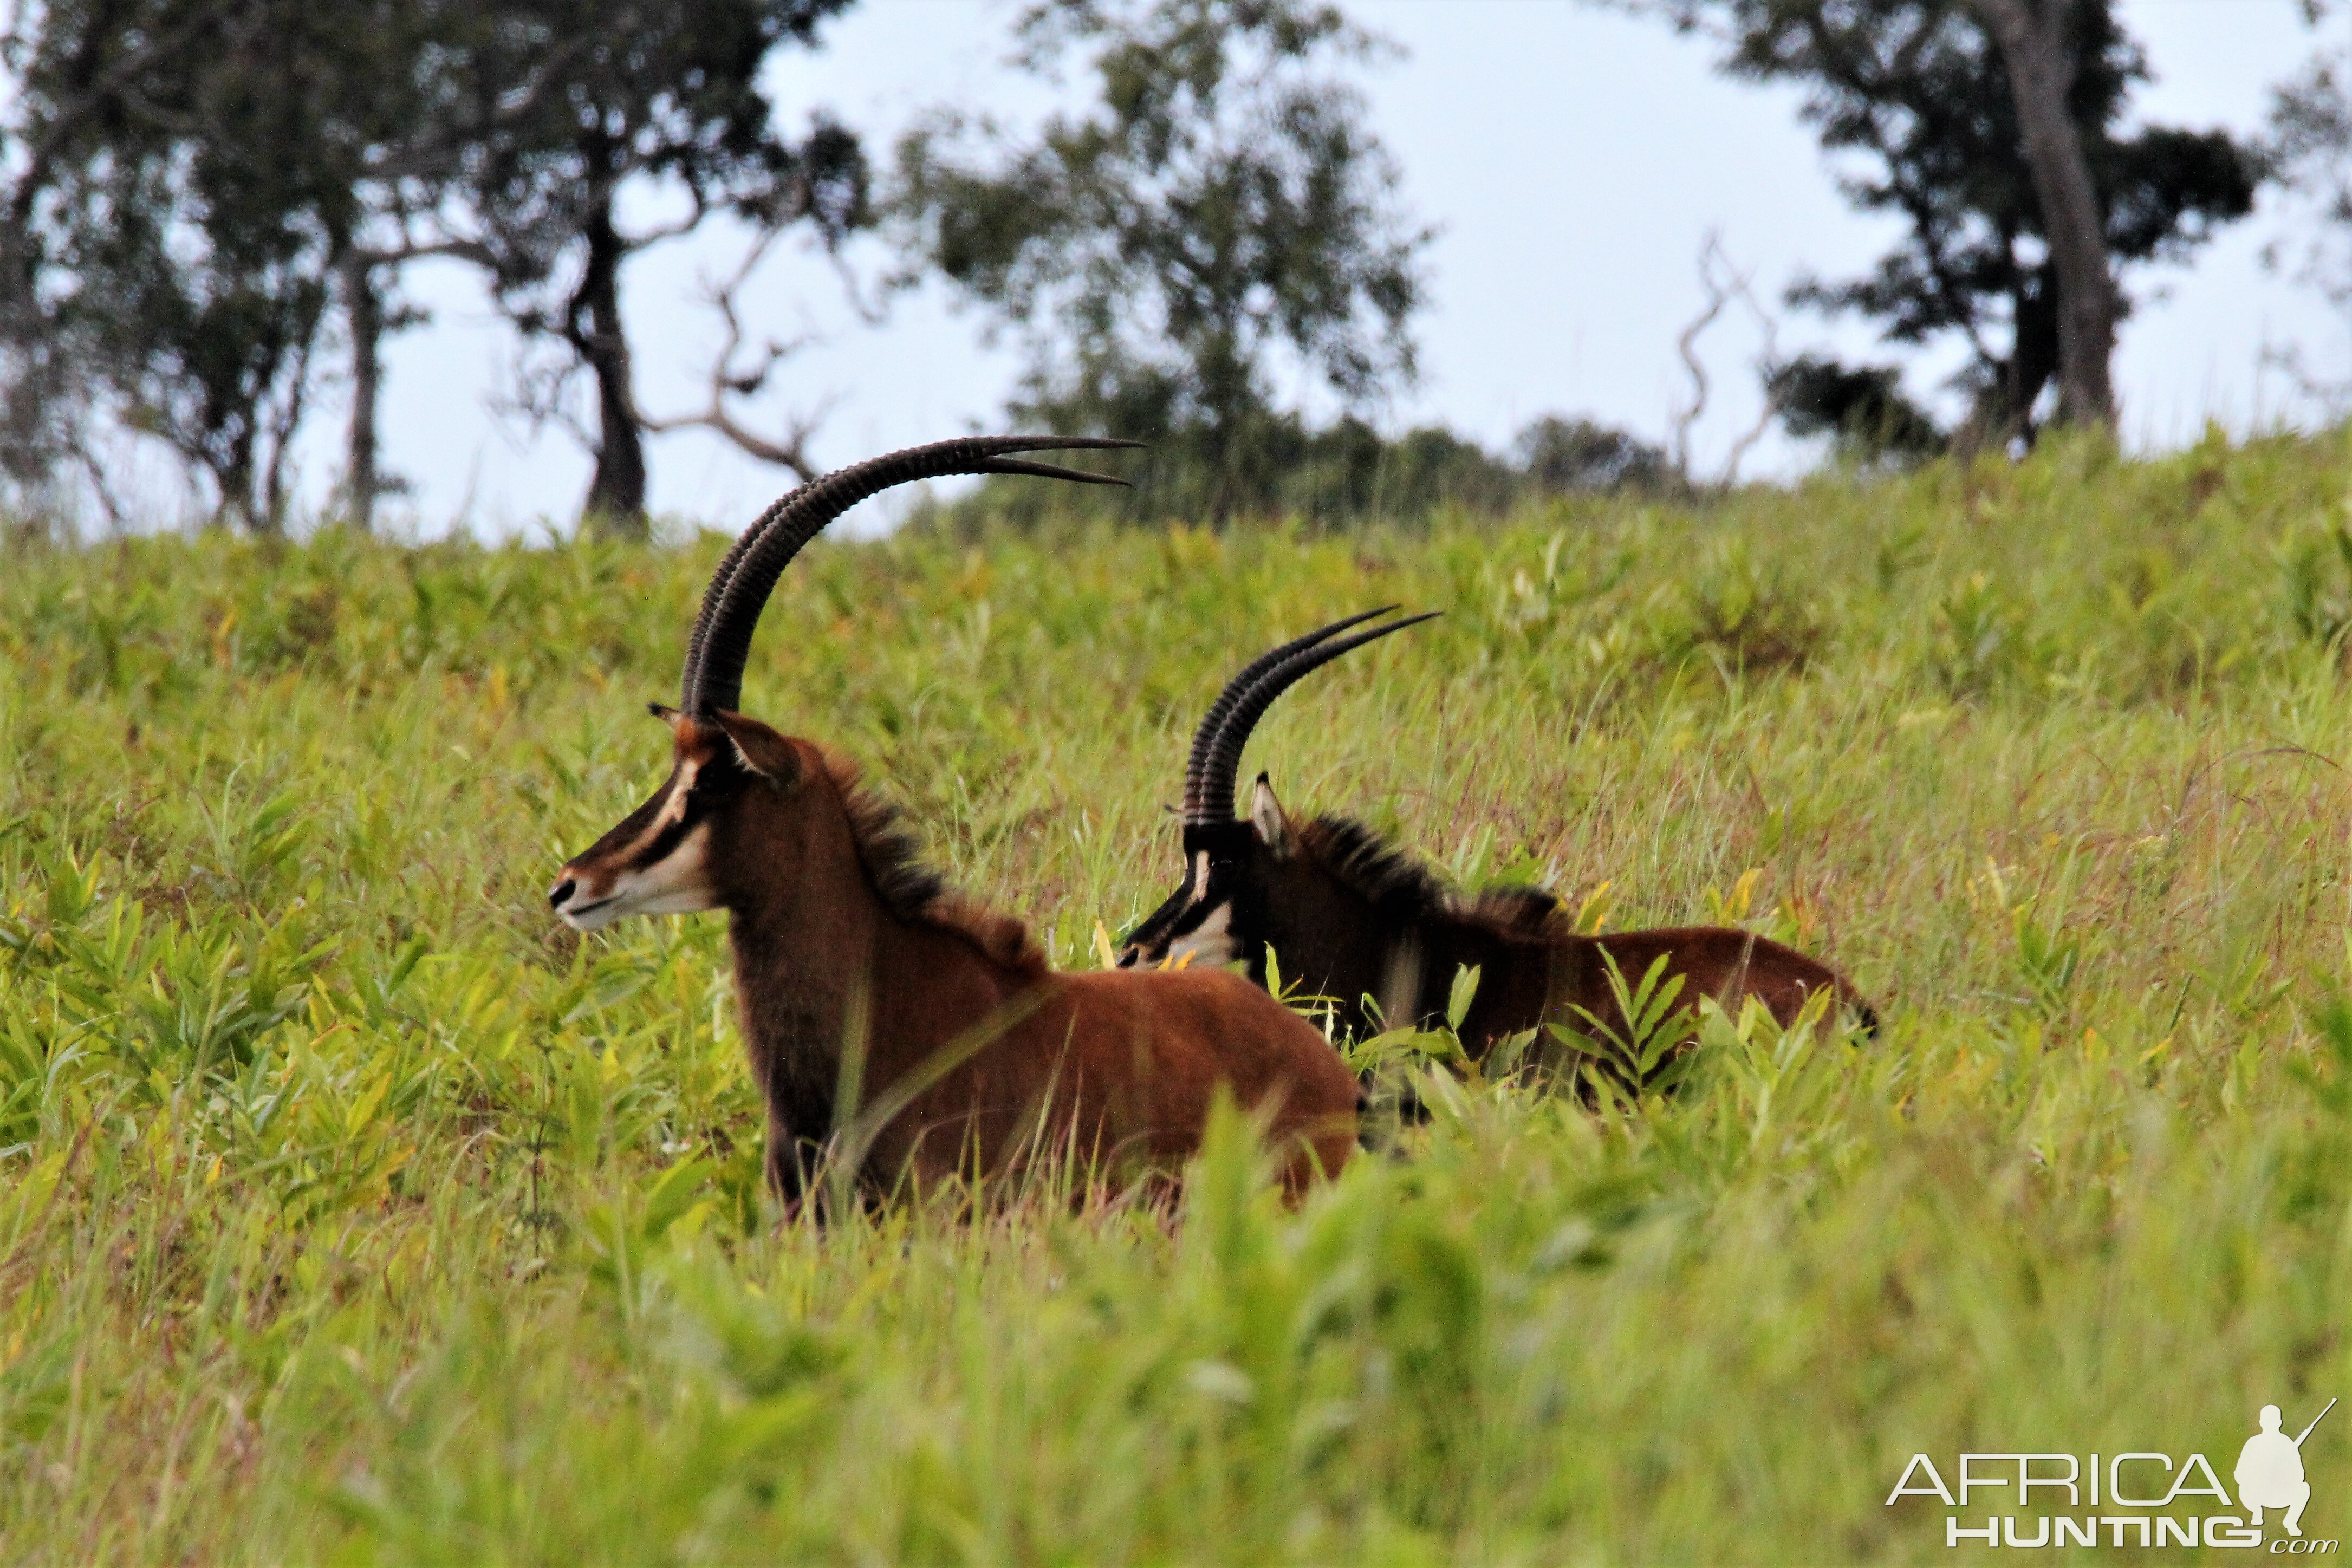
{"points": [[2311, 129], [1863, 409], [163, 259], [194, 185], [1916, 95], [667, 96], [1218, 211]]}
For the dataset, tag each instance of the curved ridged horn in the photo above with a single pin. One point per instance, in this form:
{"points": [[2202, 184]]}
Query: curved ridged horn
{"points": [[1225, 758], [720, 642], [1204, 738]]}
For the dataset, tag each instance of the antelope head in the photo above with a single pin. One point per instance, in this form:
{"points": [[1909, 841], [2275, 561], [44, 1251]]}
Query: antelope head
{"points": [[739, 810], [728, 797], [1245, 876]]}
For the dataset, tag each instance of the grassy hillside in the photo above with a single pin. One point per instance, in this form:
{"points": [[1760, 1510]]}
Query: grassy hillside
{"points": [[351, 1208]]}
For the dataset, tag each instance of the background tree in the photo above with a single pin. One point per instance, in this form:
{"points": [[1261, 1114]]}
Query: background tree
{"points": [[509, 133], [1922, 93], [1347, 473], [181, 216], [158, 245], [663, 100], [2038, 55], [1220, 209], [409, 96], [194, 184], [1863, 409], [45, 390], [1561, 455], [2311, 144]]}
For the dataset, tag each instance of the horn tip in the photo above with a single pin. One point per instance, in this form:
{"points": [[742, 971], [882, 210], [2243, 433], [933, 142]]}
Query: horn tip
{"points": [[1074, 442]]}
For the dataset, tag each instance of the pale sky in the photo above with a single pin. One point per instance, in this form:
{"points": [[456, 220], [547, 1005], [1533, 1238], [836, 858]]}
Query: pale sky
{"points": [[1573, 161]]}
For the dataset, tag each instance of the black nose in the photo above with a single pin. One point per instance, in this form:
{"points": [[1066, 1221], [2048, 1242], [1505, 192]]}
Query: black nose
{"points": [[559, 892]]}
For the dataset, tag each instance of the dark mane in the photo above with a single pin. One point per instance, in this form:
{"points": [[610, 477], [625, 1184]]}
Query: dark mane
{"points": [[1402, 886], [1530, 911], [1368, 863], [913, 892]]}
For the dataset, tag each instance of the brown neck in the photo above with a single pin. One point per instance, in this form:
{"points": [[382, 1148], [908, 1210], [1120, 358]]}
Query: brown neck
{"points": [[1514, 976], [824, 959], [793, 988], [1336, 942], [1349, 948]]}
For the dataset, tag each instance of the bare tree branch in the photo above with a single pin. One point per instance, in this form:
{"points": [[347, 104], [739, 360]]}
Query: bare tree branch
{"points": [[1686, 345], [1724, 285], [1741, 285], [791, 449]]}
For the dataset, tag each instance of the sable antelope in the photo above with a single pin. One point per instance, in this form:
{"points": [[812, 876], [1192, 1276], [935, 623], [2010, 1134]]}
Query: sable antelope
{"points": [[969, 1050], [1358, 921]]}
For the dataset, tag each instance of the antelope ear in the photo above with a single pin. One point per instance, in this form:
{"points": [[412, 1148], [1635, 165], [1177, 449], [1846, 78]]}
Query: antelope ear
{"points": [[1266, 816], [759, 748]]}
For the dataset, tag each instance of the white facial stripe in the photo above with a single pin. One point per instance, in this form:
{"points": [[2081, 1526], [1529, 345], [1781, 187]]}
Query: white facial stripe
{"points": [[1211, 942], [677, 884], [673, 807], [1197, 882]]}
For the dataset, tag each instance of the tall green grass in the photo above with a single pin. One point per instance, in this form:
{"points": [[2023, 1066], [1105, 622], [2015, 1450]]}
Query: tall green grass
{"points": [[353, 1209]]}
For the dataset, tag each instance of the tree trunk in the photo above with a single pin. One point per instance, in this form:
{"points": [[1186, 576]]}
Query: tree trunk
{"points": [[617, 495], [234, 477], [2033, 40], [2003, 409], [364, 308]]}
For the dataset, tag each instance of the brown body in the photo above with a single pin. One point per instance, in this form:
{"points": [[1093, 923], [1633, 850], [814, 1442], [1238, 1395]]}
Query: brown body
{"points": [[1349, 918], [972, 1056], [1730, 966]]}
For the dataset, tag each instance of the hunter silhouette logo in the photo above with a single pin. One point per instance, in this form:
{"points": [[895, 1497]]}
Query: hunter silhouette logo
{"points": [[2270, 1471], [2144, 1498]]}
